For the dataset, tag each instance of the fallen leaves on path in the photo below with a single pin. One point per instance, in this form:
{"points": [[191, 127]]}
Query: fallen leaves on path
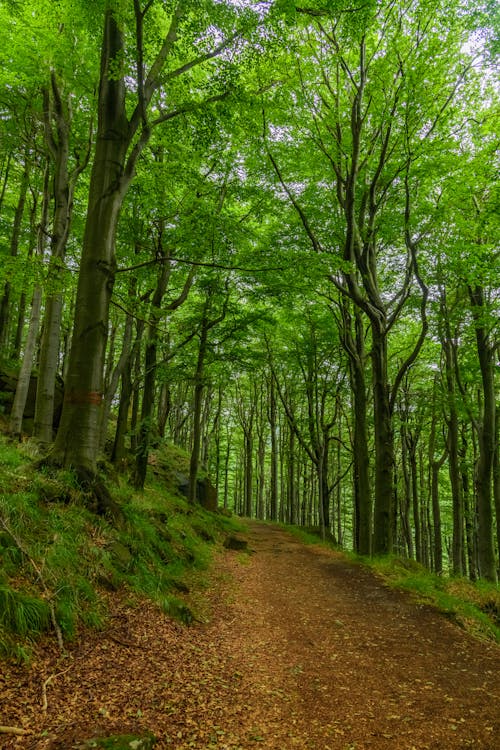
{"points": [[303, 650]]}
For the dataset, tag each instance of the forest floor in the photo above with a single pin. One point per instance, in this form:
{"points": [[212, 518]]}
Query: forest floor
{"points": [[303, 649]]}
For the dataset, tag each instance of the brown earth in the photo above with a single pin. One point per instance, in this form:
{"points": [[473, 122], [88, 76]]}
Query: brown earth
{"points": [[303, 650]]}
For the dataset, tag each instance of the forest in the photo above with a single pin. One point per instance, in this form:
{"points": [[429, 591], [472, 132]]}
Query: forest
{"points": [[267, 234]]}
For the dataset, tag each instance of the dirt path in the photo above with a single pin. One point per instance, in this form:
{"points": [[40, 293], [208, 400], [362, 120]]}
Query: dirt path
{"points": [[303, 650]]}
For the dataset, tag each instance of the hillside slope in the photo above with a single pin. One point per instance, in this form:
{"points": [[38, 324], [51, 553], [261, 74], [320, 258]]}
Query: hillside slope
{"points": [[302, 649]]}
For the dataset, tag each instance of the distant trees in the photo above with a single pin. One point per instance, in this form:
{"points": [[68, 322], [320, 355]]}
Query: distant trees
{"points": [[285, 262]]}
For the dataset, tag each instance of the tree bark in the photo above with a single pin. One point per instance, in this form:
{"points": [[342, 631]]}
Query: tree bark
{"points": [[77, 440], [57, 138], [148, 396], [23, 381], [484, 468], [353, 344], [274, 491], [384, 445]]}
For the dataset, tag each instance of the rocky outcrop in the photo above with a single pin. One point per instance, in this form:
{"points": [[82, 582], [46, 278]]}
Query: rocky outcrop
{"points": [[206, 494], [8, 385]]}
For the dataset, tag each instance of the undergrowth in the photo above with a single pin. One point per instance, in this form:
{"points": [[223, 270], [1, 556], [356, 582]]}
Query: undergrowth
{"points": [[57, 559], [475, 606]]}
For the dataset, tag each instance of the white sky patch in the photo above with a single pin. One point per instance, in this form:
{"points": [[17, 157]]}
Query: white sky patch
{"points": [[281, 134], [258, 6]]}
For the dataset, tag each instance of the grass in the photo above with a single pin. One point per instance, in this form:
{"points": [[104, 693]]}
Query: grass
{"points": [[56, 554], [475, 606]]}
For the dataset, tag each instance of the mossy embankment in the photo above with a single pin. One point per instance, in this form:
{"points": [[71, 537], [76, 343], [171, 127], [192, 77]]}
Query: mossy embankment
{"points": [[59, 562]]}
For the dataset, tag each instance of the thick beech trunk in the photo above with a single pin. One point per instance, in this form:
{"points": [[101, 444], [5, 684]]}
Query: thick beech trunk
{"points": [[77, 441], [57, 140], [354, 346], [33, 243], [48, 366], [23, 382]]}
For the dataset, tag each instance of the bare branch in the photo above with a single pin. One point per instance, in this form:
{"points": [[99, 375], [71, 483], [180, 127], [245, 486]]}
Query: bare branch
{"points": [[200, 59], [199, 263], [317, 12]]}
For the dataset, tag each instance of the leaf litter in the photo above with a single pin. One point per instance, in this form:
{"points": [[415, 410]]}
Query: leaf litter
{"points": [[301, 649]]}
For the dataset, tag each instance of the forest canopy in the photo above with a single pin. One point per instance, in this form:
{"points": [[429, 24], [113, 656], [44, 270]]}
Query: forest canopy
{"points": [[267, 233]]}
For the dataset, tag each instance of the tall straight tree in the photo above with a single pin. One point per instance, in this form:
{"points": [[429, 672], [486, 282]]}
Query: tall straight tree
{"points": [[120, 140], [371, 112]]}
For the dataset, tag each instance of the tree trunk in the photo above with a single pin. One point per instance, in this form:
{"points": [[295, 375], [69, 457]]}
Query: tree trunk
{"points": [[434, 468], [148, 396], [23, 381], [261, 458], [115, 378], [405, 500], [496, 477], [226, 471], [484, 468], [127, 390], [417, 516], [274, 492], [5, 178], [384, 445], [77, 440], [248, 469], [197, 405], [454, 459], [355, 348]]}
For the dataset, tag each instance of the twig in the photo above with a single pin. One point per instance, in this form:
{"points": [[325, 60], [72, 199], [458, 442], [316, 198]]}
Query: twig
{"points": [[127, 644], [47, 682], [44, 693], [13, 730]]}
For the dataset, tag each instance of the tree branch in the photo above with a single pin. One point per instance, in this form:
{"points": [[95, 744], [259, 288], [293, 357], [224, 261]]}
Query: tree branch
{"points": [[199, 263]]}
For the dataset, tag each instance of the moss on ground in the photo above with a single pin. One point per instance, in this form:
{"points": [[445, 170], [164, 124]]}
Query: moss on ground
{"points": [[58, 559]]}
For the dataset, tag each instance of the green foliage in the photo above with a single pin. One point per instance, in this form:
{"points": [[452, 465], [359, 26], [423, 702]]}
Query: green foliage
{"points": [[121, 742], [21, 613], [53, 551]]}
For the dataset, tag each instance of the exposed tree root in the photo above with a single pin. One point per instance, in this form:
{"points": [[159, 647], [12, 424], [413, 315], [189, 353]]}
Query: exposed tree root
{"points": [[98, 497]]}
